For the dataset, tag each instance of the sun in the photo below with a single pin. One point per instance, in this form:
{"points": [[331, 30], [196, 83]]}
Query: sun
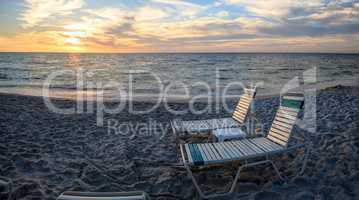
{"points": [[73, 44], [73, 41]]}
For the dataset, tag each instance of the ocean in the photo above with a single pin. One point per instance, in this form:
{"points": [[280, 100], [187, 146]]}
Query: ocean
{"points": [[177, 75]]}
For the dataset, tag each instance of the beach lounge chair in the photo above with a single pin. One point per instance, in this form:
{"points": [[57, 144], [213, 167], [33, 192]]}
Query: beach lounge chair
{"points": [[260, 148], [70, 195], [237, 120]]}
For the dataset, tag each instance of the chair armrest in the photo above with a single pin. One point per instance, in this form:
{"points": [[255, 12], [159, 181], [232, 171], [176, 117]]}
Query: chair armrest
{"points": [[183, 154]]}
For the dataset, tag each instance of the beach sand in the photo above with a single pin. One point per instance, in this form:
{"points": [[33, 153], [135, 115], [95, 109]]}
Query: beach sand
{"points": [[44, 153]]}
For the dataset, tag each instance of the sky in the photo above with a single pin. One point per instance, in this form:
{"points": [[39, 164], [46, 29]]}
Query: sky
{"points": [[179, 26]]}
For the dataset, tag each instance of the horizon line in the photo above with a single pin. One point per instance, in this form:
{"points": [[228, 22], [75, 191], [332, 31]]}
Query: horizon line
{"points": [[183, 52]]}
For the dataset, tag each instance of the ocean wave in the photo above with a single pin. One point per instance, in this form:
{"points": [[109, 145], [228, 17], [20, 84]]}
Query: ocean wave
{"points": [[13, 68], [5, 61], [32, 62], [291, 69], [345, 72], [225, 70], [3, 76], [273, 70], [136, 72]]}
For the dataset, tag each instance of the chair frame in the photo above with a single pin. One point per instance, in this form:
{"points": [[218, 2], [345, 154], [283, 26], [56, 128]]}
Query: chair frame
{"points": [[104, 195]]}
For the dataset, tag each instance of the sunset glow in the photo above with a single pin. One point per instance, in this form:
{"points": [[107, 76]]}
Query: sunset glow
{"points": [[73, 41], [180, 26]]}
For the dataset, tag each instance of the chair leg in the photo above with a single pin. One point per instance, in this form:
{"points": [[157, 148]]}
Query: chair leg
{"points": [[233, 185], [307, 151], [200, 192], [276, 170], [174, 130]]}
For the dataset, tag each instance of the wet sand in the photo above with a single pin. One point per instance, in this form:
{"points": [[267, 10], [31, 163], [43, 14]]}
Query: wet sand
{"points": [[44, 153]]}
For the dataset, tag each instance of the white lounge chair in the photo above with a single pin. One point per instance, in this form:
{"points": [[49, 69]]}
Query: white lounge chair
{"points": [[276, 141], [199, 126], [70, 195]]}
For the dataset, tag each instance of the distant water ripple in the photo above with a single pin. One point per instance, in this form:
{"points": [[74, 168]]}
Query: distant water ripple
{"points": [[149, 71]]}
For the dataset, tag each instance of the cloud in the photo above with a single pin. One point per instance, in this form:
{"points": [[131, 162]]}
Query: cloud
{"points": [[108, 13], [183, 8], [204, 29], [272, 8], [336, 17], [217, 3], [148, 13], [176, 3], [184, 25], [36, 11], [105, 27], [222, 14]]}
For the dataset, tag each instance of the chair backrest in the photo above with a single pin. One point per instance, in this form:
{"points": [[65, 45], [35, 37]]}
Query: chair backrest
{"points": [[71, 195], [243, 105], [285, 118]]}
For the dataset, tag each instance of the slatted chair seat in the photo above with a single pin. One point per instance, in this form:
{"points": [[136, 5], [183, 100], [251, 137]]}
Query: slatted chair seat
{"points": [[237, 120], [276, 141], [71, 195], [214, 153]]}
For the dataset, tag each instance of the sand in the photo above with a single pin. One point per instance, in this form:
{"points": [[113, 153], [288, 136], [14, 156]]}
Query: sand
{"points": [[43, 153]]}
